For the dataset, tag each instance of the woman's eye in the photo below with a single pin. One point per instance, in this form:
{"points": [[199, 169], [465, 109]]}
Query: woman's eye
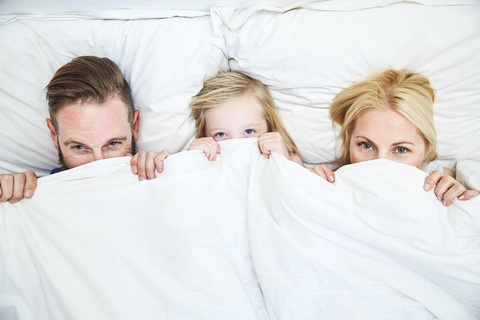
{"points": [[249, 131], [220, 134], [365, 145]]}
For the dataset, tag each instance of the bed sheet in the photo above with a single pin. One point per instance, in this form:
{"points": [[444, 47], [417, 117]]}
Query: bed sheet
{"points": [[235, 238], [94, 243], [374, 245]]}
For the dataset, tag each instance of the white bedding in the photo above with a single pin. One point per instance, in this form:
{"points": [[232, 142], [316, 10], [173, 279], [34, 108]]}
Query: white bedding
{"points": [[108, 247], [93, 243], [373, 246]]}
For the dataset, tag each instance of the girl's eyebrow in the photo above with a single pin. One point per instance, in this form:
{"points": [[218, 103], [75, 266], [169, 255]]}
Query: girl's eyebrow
{"points": [[215, 129]]}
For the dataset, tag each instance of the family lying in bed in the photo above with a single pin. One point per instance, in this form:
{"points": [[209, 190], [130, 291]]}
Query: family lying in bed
{"points": [[387, 115]]}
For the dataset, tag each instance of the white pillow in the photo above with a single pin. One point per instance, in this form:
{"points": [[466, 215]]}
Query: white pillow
{"points": [[306, 56], [164, 60]]}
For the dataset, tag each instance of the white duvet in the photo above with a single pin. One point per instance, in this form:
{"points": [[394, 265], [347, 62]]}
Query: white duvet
{"points": [[239, 238]]}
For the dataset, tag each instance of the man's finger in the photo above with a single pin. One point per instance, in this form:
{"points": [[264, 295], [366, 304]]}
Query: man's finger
{"points": [[30, 184], [18, 187], [6, 187]]}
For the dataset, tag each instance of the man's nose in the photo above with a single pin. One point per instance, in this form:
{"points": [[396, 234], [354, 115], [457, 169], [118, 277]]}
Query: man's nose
{"points": [[98, 155]]}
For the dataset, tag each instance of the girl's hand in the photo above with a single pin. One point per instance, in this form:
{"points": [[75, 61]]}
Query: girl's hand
{"points": [[272, 141], [207, 145], [447, 188], [323, 171], [144, 163]]}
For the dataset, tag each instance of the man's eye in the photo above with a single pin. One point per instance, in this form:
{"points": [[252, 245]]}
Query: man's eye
{"points": [[78, 147], [113, 143], [220, 134], [249, 131]]}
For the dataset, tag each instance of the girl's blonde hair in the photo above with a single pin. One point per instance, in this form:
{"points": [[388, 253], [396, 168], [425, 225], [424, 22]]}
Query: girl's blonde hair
{"points": [[230, 85], [407, 93]]}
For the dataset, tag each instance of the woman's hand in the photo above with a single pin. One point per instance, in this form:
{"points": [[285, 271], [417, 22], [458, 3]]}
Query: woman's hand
{"points": [[207, 145], [144, 163], [323, 171], [447, 188]]}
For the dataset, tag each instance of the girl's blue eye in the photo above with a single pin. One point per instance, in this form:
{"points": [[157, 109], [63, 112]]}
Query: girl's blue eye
{"points": [[249, 131], [220, 134]]}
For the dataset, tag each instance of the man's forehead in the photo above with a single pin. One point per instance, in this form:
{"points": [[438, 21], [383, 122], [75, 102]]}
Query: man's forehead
{"points": [[93, 121], [113, 109]]}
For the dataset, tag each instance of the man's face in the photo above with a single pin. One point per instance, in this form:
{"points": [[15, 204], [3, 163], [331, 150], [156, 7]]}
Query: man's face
{"points": [[89, 132]]}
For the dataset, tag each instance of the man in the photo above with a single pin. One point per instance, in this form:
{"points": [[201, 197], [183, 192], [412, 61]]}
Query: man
{"points": [[92, 117]]}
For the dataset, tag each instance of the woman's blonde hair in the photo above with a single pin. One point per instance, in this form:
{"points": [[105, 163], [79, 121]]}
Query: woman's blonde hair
{"points": [[407, 93], [230, 85]]}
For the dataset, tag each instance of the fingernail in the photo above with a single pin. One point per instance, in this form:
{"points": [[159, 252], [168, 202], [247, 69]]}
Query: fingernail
{"points": [[438, 198], [28, 194], [141, 178], [13, 201], [427, 186], [444, 203], [134, 169], [461, 197], [331, 178]]}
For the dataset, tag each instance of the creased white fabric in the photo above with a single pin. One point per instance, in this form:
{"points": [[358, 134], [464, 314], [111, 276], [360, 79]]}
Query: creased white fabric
{"points": [[374, 245], [108, 247], [94, 243]]}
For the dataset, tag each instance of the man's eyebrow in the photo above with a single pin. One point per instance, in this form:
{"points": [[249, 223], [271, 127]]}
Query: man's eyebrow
{"points": [[70, 142], [117, 138]]}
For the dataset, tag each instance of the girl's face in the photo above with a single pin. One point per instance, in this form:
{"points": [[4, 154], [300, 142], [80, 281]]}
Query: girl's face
{"points": [[383, 133], [240, 118]]}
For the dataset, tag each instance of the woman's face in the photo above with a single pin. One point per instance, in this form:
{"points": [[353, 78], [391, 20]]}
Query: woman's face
{"points": [[383, 133]]}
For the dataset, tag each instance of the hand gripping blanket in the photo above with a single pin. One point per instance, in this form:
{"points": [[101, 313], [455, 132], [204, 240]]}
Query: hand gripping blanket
{"points": [[374, 245], [233, 238]]}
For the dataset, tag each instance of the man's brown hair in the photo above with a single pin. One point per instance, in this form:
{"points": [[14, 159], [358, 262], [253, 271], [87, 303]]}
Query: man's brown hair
{"points": [[88, 79]]}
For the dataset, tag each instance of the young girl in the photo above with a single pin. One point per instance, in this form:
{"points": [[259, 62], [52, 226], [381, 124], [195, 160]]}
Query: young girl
{"points": [[390, 115], [233, 105]]}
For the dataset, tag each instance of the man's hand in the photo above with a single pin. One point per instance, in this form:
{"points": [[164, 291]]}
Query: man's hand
{"points": [[144, 163], [16, 186], [207, 145], [447, 188], [323, 171]]}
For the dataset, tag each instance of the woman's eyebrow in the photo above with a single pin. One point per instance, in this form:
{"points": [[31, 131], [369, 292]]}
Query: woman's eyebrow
{"points": [[402, 142], [368, 140]]}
